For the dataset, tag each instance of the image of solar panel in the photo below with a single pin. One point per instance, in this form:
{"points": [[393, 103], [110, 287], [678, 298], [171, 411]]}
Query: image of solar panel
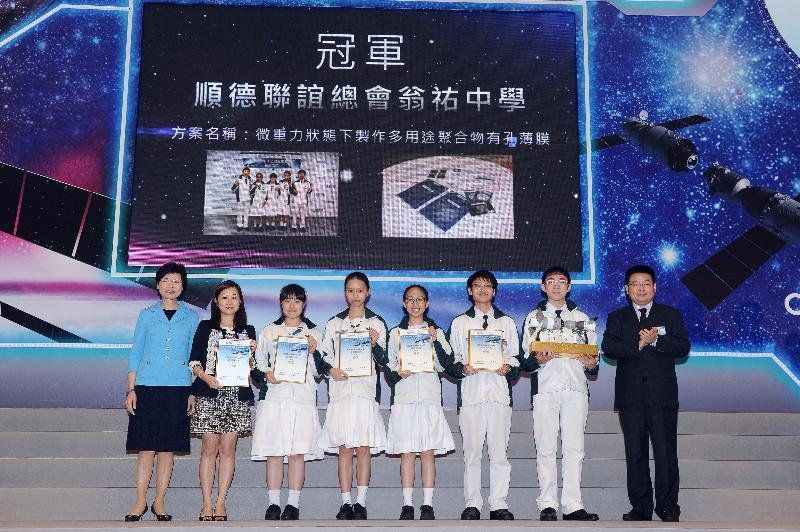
{"points": [[446, 211], [722, 273], [422, 193]]}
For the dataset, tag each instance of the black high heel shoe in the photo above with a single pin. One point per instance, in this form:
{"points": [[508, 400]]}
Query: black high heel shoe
{"points": [[136, 517], [160, 517]]}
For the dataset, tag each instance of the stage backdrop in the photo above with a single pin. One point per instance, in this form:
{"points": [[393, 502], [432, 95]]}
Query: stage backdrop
{"points": [[437, 138]]}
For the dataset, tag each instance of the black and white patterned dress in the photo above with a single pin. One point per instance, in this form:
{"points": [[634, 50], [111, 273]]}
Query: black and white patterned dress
{"points": [[228, 408]]}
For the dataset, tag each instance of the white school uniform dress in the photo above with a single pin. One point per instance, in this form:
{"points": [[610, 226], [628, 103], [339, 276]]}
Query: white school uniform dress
{"points": [[417, 421], [485, 409], [300, 201], [287, 422], [260, 195], [353, 418], [561, 402], [273, 199], [284, 199]]}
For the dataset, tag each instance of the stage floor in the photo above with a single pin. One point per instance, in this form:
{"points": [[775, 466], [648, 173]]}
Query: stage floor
{"points": [[387, 525]]}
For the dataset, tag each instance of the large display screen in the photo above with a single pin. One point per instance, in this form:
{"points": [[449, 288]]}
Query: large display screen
{"points": [[353, 138]]}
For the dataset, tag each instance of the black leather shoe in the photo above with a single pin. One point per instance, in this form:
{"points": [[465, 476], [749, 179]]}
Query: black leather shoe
{"points": [[160, 517], [129, 518], [548, 514], [407, 513], [345, 512], [501, 515], [470, 513], [290, 513], [633, 515], [359, 511], [426, 512], [580, 515], [273, 513], [668, 516]]}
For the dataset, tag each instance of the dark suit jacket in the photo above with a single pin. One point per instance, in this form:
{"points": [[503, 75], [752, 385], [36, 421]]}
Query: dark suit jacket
{"points": [[649, 373]]}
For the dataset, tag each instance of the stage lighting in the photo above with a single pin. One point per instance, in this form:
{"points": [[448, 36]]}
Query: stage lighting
{"points": [[775, 211], [676, 152]]}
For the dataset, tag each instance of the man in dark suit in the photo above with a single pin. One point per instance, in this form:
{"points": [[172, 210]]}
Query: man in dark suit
{"points": [[645, 338]]}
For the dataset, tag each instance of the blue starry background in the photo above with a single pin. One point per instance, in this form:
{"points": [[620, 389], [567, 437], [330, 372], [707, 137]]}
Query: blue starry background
{"points": [[61, 88]]}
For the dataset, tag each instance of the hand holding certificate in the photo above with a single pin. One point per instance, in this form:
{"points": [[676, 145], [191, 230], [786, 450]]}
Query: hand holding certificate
{"points": [[233, 362], [291, 359], [485, 349], [355, 353], [416, 351]]}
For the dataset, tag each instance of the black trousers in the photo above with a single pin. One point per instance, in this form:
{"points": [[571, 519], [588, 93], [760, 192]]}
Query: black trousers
{"points": [[640, 422]]}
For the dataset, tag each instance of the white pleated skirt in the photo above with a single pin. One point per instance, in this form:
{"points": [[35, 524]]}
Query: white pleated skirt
{"points": [[417, 427], [353, 422], [284, 428]]}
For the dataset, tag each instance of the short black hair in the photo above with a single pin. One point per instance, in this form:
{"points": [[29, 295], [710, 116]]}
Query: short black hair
{"points": [[482, 274], [640, 268], [361, 276], [552, 270], [293, 290], [172, 267], [301, 172]]}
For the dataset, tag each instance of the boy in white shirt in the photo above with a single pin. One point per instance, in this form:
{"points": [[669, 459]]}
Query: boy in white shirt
{"points": [[486, 399], [562, 397]]}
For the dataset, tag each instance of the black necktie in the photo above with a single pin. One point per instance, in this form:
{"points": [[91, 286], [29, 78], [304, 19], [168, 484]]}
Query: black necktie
{"points": [[642, 315], [558, 316], [485, 321]]}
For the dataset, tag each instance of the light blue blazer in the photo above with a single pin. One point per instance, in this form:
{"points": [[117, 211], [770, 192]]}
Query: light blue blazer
{"points": [[161, 347]]}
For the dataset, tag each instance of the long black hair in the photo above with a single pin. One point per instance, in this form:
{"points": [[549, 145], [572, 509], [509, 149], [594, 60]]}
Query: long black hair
{"points": [[240, 318], [424, 291]]}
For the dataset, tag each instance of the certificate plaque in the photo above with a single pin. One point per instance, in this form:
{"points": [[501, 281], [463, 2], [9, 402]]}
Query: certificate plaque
{"points": [[485, 349], [355, 354], [416, 351], [564, 350], [233, 362], [291, 359]]}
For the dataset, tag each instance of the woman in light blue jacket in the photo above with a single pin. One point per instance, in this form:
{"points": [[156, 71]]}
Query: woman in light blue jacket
{"points": [[158, 400]]}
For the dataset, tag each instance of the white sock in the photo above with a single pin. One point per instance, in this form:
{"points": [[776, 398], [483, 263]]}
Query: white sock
{"points": [[427, 496], [361, 498], [408, 496], [346, 498], [294, 498], [274, 497]]}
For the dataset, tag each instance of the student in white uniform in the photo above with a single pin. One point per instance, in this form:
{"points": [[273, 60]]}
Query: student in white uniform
{"points": [[561, 400], [287, 424], [301, 191], [258, 195], [417, 424], [485, 398], [271, 204], [284, 200], [241, 191], [353, 424]]}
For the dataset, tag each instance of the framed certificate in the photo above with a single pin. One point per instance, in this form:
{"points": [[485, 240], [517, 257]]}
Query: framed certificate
{"points": [[233, 362], [291, 359], [416, 351], [355, 354], [564, 350], [485, 349]]}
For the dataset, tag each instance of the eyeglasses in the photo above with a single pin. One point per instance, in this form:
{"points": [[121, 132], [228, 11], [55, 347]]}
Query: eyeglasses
{"points": [[641, 285], [556, 282], [481, 285], [171, 281], [415, 300]]}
